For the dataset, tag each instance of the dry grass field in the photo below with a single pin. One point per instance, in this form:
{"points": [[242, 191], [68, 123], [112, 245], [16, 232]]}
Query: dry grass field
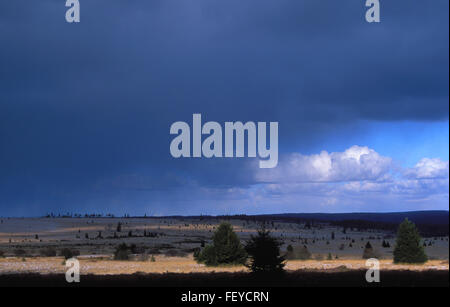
{"points": [[171, 241], [163, 264]]}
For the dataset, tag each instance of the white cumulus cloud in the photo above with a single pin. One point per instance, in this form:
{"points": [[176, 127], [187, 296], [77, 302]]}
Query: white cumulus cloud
{"points": [[354, 164], [428, 168], [356, 179]]}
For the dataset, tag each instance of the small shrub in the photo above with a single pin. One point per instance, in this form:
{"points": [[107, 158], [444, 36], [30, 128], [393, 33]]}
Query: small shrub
{"points": [[175, 253], [137, 249], [298, 253], [68, 253], [384, 244], [318, 257], [99, 235], [19, 252], [290, 249], [303, 253], [369, 252], [122, 252], [196, 253], [142, 257], [48, 252]]}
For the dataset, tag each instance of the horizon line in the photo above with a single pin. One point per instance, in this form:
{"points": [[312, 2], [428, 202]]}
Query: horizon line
{"points": [[110, 215]]}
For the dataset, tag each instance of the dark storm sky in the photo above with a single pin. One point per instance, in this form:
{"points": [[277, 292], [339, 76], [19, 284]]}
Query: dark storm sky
{"points": [[85, 109]]}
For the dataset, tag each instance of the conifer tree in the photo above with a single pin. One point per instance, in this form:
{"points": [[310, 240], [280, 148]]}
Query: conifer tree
{"points": [[408, 248], [226, 248], [264, 253]]}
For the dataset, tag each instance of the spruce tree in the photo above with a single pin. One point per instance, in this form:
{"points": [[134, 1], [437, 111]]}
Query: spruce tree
{"points": [[369, 252], [264, 253], [408, 248], [226, 248]]}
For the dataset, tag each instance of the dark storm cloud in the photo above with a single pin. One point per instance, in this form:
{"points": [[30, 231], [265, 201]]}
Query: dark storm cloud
{"points": [[82, 104]]}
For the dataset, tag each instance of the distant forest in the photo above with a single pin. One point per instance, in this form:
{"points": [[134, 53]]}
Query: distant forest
{"points": [[430, 223]]}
